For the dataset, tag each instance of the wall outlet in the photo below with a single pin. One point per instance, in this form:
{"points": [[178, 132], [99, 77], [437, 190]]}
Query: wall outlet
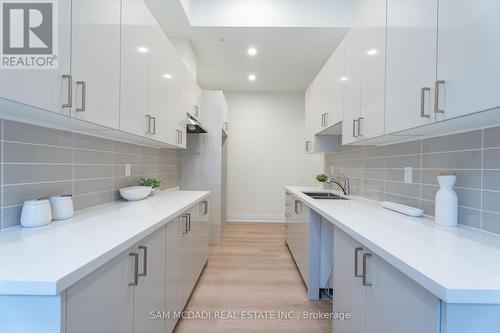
{"points": [[128, 168], [408, 175]]}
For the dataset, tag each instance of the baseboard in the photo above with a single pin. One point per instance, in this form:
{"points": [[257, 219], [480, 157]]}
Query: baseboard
{"points": [[257, 218]]}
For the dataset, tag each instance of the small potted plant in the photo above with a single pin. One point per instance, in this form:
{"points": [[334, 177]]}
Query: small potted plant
{"points": [[322, 178], [151, 182]]}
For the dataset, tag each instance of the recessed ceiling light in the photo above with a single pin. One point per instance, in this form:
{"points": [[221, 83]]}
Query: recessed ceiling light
{"points": [[372, 52], [167, 76], [143, 49], [252, 77], [343, 78], [252, 51]]}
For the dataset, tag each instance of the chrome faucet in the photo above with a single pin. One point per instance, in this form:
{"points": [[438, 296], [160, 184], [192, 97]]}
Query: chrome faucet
{"points": [[344, 186]]}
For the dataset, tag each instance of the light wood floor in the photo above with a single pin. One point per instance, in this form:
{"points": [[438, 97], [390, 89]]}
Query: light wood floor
{"points": [[252, 270]]}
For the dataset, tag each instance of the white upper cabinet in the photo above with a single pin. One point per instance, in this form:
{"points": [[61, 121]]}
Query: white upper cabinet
{"points": [[135, 48], [44, 88], [352, 84], [176, 120], [95, 62], [468, 56], [158, 82], [411, 63], [373, 69]]}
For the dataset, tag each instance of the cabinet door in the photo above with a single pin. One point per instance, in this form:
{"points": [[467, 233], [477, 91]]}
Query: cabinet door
{"points": [[300, 239], [330, 102], [134, 67], [42, 88], [349, 294], [102, 302], [176, 123], [174, 270], [309, 121], [352, 84], [149, 294], [202, 235], [335, 93], [158, 81], [373, 69], [95, 61], [396, 304], [411, 63], [468, 53]]}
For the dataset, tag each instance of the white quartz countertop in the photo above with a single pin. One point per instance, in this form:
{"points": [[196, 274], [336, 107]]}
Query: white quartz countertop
{"points": [[458, 265], [49, 259]]}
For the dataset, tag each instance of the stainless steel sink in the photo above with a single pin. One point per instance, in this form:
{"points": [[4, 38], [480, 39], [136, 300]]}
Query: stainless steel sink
{"points": [[324, 196]]}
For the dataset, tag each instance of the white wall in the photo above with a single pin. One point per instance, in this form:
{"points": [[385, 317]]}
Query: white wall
{"points": [[265, 153]]}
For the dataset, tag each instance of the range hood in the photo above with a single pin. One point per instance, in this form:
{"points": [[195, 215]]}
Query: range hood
{"points": [[193, 125]]}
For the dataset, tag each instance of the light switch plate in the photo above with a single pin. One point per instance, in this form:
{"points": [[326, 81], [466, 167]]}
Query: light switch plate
{"points": [[408, 175], [127, 170]]}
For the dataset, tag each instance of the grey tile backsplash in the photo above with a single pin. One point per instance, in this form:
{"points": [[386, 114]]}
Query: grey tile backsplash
{"points": [[378, 173], [38, 162]]}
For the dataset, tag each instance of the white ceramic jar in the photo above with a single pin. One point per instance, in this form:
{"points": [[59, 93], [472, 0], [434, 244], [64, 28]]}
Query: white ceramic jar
{"points": [[447, 201], [62, 207], [36, 213]]}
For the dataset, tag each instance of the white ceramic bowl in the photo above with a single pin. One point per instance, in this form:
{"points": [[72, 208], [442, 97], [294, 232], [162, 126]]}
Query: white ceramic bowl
{"points": [[135, 193]]}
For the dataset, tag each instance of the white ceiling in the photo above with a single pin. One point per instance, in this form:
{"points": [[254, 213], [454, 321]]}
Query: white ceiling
{"points": [[289, 57]]}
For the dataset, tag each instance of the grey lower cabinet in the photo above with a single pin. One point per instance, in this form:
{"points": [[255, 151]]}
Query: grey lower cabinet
{"points": [[186, 256], [102, 302], [297, 235], [379, 298], [157, 275]]}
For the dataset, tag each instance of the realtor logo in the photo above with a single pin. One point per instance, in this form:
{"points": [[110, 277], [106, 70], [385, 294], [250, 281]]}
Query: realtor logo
{"points": [[29, 34]]}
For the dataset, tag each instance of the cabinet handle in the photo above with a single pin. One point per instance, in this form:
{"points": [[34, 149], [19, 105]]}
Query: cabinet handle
{"points": [[356, 254], [184, 219], [359, 126], [145, 262], [83, 107], [188, 221], [365, 258], [148, 121], [69, 103], [354, 122], [154, 125], [436, 96], [136, 269], [205, 205], [422, 102], [323, 120], [326, 119], [296, 210], [307, 146], [287, 216], [224, 126]]}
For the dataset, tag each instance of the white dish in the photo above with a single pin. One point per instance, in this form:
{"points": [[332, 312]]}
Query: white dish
{"points": [[135, 193], [403, 209]]}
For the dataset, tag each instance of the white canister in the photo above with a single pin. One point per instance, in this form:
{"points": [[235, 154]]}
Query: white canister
{"points": [[62, 207], [447, 201], [36, 213]]}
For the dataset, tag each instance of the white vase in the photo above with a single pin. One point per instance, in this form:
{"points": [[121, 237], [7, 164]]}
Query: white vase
{"points": [[322, 185], [447, 202]]}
